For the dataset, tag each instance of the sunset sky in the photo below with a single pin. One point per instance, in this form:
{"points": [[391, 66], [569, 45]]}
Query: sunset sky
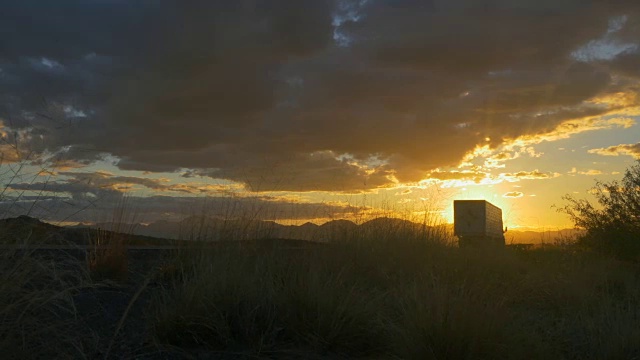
{"points": [[298, 110]]}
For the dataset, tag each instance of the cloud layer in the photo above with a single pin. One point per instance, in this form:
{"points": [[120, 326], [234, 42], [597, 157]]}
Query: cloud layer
{"points": [[88, 197], [307, 95]]}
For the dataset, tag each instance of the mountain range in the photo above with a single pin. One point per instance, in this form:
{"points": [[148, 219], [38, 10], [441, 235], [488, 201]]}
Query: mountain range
{"points": [[204, 228], [212, 229]]}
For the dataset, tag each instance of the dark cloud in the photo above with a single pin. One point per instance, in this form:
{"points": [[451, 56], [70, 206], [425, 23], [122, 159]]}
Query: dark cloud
{"points": [[301, 94], [476, 37], [306, 172], [87, 196], [172, 208], [99, 185], [534, 90], [627, 63]]}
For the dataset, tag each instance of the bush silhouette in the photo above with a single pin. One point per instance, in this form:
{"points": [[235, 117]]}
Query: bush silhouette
{"points": [[614, 226]]}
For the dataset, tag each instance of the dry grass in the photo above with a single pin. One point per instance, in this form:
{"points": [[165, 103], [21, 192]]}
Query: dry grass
{"points": [[266, 301], [399, 298], [396, 295], [108, 259], [36, 306]]}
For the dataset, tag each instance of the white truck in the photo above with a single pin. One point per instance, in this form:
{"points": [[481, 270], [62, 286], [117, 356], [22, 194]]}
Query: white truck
{"points": [[477, 223]]}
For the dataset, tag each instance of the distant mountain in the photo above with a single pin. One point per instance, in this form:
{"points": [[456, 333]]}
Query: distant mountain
{"points": [[28, 230], [391, 225], [204, 228]]}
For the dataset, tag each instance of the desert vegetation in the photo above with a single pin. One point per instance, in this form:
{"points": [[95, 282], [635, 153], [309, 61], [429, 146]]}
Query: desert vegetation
{"points": [[402, 299], [613, 224], [392, 292], [405, 298]]}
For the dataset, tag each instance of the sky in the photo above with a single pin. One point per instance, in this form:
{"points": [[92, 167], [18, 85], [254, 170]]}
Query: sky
{"points": [[311, 110]]}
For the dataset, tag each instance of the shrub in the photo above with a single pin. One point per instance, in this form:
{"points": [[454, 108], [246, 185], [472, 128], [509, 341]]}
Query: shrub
{"points": [[613, 227]]}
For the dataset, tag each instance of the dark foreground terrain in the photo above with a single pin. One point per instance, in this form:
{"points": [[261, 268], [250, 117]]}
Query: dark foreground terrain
{"points": [[105, 314], [389, 296]]}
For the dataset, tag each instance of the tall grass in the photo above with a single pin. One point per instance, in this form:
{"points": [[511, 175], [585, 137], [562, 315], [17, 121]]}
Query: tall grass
{"points": [[395, 292], [349, 299], [404, 297], [37, 312], [108, 259], [266, 301]]}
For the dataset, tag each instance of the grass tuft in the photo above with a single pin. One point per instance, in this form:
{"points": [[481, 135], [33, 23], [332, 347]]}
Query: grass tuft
{"points": [[37, 312], [108, 259]]}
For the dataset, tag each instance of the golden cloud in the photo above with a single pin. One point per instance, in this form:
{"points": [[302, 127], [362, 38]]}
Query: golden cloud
{"points": [[528, 175], [573, 127], [456, 178], [621, 149], [8, 154], [590, 172]]}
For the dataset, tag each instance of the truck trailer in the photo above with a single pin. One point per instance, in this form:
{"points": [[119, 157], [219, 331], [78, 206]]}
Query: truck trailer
{"points": [[477, 223]]}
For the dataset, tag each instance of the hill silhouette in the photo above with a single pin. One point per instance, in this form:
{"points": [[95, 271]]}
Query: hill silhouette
{"points": [[204, 228], [25, 228]]}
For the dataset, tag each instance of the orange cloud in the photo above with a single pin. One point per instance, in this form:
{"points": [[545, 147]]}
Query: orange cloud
{"points": [[513, 194], [470, 177], [8, 154], [573, 127], [590, 172], [616, 150], [475, 176], [528, 175]]}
